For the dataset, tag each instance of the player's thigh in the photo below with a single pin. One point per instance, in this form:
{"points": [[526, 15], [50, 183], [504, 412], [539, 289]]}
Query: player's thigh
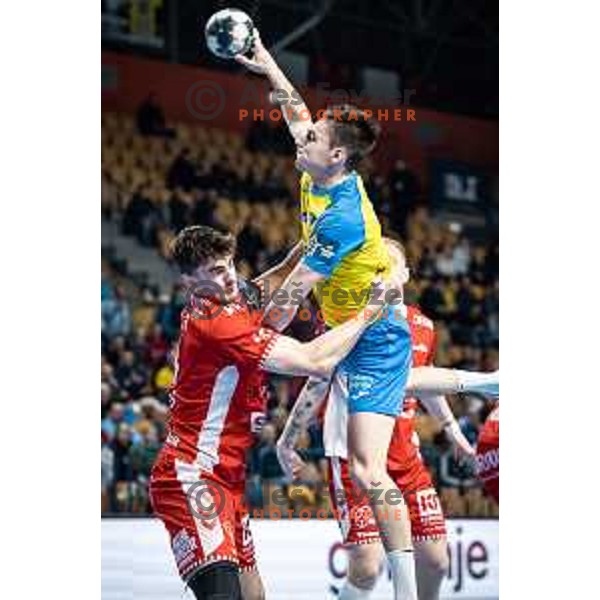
{"points": [[376, 370], [369, 436], [425, 511], [199, 537], [358, 526], [352, 509]]}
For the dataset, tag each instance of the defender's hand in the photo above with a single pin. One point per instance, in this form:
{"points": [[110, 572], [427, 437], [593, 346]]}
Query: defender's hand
{"points": [[462, 447]]}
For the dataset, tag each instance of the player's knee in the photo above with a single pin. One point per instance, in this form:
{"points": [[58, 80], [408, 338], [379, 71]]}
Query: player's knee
{"points": [[219, 581], [438, 566], [255, 591], [364, 579], [255, 594], [363, 573], [442, 563], [434, 559]]}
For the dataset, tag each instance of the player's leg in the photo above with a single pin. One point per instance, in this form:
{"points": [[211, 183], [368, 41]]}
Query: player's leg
{"points": [[252, 585], [359, 533], [250, 580], [428, 526], [364, 566], [451, 381], [217, 581], [198, 513], [375, 373], [431, 559], [369, 436]]}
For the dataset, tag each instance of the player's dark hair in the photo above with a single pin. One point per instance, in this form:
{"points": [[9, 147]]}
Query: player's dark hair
{"points": [[353, 130], [193, 246]]}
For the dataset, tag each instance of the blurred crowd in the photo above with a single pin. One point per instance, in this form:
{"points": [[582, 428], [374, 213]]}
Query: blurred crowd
{"points": [[156, 179]]}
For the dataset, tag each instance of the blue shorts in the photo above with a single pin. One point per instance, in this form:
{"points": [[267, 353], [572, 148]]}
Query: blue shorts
{"points": [[377, 368]]}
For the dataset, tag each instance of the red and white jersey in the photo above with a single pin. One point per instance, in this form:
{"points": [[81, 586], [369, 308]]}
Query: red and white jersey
{"points": [[405, 441], [487, 462], [218, 396]]}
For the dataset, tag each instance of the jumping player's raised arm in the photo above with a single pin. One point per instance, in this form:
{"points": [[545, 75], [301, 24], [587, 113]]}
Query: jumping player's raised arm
{"points": [[294, 109]]}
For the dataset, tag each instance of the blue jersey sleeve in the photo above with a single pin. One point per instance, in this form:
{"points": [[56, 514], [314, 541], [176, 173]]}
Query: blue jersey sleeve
{"points": [[335, 235]]}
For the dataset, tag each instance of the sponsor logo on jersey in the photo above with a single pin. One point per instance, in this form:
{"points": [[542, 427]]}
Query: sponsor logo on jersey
{"points": [[428, 503], [420, 348], [262, 335], [362, 517], [172, 439], [183, 545], [422, 320], [360, 385], [257, 421], [327, 251], [313, 247], [488, 461]]}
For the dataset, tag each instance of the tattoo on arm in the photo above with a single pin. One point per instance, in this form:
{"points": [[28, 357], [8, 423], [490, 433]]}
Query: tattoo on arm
{"points": [[303, 410]]}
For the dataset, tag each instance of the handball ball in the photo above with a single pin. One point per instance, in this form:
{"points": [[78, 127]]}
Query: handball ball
{"points": [[229, 32]]}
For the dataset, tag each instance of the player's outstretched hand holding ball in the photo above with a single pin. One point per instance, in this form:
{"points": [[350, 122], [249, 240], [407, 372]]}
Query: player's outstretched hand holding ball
{"points": [[261, 60]]}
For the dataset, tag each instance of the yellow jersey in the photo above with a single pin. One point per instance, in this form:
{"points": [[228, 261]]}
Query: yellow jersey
{"points": [[342, 240]]}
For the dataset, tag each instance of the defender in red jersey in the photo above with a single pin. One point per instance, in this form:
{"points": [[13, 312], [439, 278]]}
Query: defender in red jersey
{"points": [[218, 401], [487, 462]]}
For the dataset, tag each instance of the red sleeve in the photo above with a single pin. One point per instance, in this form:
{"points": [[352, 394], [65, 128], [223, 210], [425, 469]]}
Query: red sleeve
{"points": [[243, 341], [251, 347]]}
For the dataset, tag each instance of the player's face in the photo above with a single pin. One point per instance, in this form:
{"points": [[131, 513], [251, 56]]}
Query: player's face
{"points": [[221, 273], [316, 155]]}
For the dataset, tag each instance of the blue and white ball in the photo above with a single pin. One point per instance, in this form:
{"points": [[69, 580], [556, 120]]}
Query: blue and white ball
{"points": [[229, 32]]}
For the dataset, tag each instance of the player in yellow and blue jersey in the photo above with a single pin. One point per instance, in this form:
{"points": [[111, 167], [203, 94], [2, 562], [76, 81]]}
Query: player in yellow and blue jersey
{"points": [[343, 247], [342, 255]]}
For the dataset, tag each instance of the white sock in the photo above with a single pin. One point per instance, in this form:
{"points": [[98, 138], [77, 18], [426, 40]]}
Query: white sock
{"points": [[402, 565], [483, 383], [351, 592]]}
